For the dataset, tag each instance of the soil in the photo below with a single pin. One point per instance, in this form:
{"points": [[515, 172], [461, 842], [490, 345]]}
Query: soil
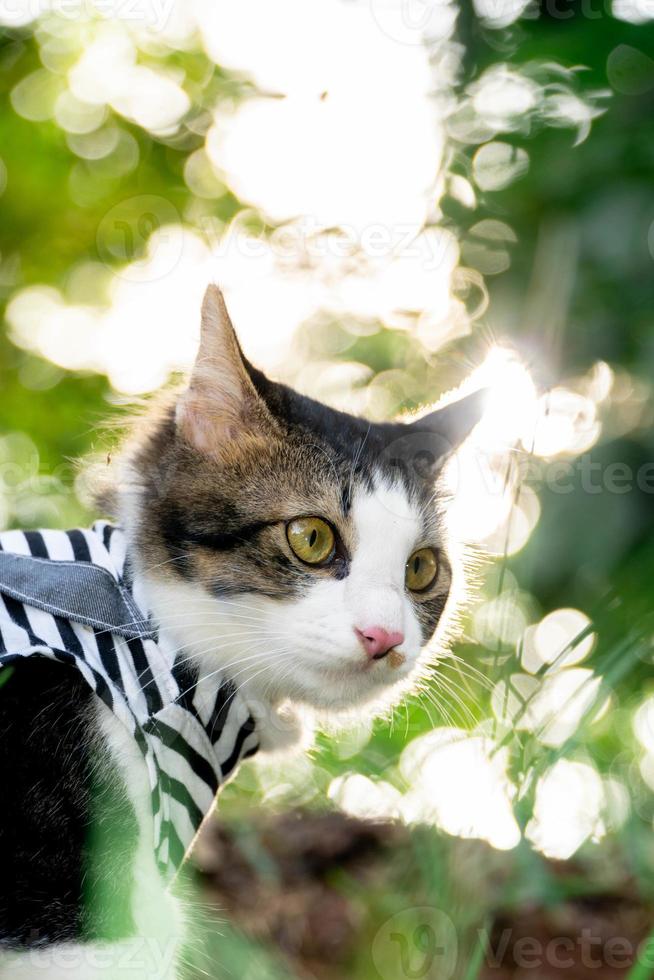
{"points": [[317, 887]]}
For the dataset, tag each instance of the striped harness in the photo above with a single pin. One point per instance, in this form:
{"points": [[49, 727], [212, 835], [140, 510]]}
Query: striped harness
{"points": [[69, 596]]}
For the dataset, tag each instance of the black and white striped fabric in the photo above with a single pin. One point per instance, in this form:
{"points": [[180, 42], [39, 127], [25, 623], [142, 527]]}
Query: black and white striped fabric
{"points": [[69, 596]]}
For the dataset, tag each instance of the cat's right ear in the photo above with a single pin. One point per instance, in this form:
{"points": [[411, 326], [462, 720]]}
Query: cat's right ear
{"points": [[221, 406]]}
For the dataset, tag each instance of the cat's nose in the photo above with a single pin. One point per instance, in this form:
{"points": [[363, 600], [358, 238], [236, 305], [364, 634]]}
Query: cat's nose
{"points": [[377, 641]]}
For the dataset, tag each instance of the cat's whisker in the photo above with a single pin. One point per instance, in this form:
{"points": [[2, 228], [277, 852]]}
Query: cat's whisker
{"points": [[433, 698], [243, 660], [277, 657], [189, 621], [471, 680], [426, 708], [219, 621], [468, 669], [170, 617], [454, 657], [225, 670], [168, 561], [279, 654], [445, 709], [208, 648], [443, 677], [467, 684], [268, 666], [465, 668], [220, 673], [448, 688]]}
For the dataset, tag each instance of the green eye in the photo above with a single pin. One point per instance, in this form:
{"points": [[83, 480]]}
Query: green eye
{"points": [[311, 539], [421, 569]]}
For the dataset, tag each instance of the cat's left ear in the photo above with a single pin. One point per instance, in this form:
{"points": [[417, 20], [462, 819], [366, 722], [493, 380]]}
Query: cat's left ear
{"points": [[221, 408], [451, 425], [424, 446]]}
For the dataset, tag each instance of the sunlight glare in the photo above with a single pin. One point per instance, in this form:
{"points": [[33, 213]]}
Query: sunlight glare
{"points": [[364, 798], [567, 424], [549, 640], [569, 809], [337, 140], [487, 507], [644, 724], [500, 13], [502, 97], [552, 708], [511, 407], [458, 782]]}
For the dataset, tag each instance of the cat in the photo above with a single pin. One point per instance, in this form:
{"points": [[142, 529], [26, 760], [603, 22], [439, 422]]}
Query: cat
{"points": [[273, 559]]}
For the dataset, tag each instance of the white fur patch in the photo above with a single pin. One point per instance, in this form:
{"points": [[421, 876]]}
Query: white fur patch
{"points": [[305, 651]]}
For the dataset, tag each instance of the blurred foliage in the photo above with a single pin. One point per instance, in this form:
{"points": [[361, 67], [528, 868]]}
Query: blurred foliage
{"points": [[571, 286]]}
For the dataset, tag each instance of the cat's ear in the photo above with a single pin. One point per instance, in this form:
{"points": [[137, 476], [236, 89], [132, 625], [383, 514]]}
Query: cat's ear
{"points": [[451, 425], [424, 446], [221, 405]]}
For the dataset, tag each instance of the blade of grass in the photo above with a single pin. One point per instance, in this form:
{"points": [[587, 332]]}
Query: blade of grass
{"points": [[641, 970], [476, 961]]}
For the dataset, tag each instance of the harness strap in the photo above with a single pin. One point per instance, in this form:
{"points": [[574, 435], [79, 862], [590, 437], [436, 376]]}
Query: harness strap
{"points": [[79, 591]]}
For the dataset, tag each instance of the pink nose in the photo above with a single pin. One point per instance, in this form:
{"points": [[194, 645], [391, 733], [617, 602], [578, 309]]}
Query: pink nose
{"points": [[377, 641]]}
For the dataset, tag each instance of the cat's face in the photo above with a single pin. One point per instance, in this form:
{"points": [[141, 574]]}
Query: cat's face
{"points": [[294, 547]]}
